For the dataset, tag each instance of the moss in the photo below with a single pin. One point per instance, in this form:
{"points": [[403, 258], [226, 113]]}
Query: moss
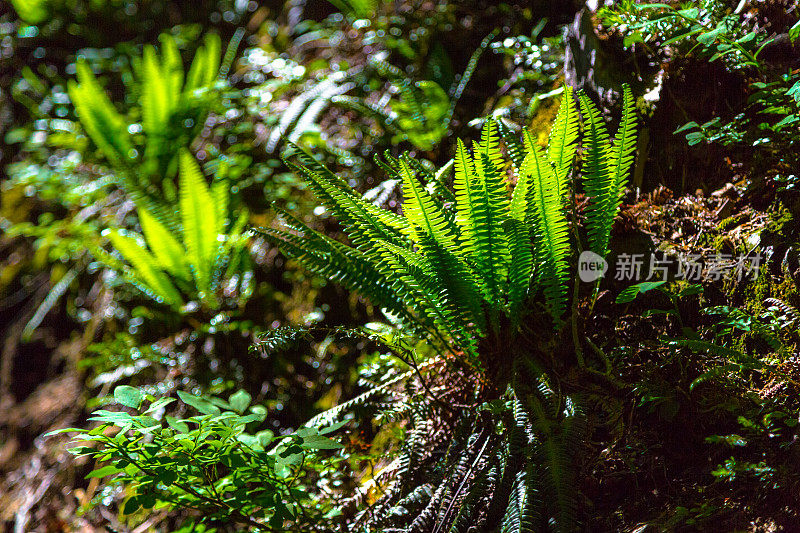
{"points": [[782, 230]]}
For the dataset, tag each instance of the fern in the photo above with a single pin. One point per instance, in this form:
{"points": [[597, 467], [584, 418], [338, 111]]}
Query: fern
{"points": [[190, 261], [552, 240], [470, 270], [563, 141], [171, 111], [304, 109], [458, 271], [200, 221], [606, 169], [107, 128], [489, 250], [148, 274]]}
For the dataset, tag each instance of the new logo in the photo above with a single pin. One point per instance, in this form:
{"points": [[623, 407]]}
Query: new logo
{"points": [[591, 266]]}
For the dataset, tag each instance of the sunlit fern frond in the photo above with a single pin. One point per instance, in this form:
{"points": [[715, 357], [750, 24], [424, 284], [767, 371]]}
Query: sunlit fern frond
{"points": [[563, 140]]}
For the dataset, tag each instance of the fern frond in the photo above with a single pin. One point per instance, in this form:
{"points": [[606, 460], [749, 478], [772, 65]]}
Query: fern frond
{"points": [[421, 210], [563, 140], [146, 271], [552, 237], [460, 288], [362, 212], [559, 435], [199, 233], [172, 68], [105, 126], [430, 293], [170, 254], [205, 65], [330, 259], [156, 95], [322, 91], [333, 414], [520, 268], [597, 177], [465, 518], [490, 210], [489, 145], [621, 154], [466, 192]]}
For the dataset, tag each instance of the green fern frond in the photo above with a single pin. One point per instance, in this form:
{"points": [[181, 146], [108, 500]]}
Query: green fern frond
{"points": [[425, 291], [563, 140], [490, 211], [460, 288], [156, 94], [520, 267], [421, 210], [466, 192], [621, 154], [105, 126], [171, 113], [146, 270], [489, 145], [552, 237], [440, 179], [199, 233], [347, 205], [220, 195], [330, 259], [303, 110], [597, 177], [170, 254]]}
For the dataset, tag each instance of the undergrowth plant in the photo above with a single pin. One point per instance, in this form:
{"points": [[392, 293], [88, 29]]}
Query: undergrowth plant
{"points": [[186, 257], [484, 274], [474, 268], [212, 460], [171, 106], [712, 32]]}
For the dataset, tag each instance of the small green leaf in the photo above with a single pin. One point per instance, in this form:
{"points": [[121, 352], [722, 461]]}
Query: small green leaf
{"points": [[318, 442], [178, 425], [333, 427], [202, 405], [104, 471], [128, 396], [630, 294], [239, 401]]}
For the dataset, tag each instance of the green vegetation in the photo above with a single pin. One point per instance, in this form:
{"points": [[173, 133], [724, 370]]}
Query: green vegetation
{"points": [[369, 266]]}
